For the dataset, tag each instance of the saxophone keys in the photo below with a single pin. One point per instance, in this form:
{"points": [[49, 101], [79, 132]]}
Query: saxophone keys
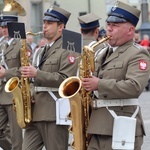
{"points": [[72, 145], [69, 116], [70, 129], [14, 104]]}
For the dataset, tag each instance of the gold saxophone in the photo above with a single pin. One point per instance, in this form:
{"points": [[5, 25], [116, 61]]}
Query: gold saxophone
{"points": [[80, 98], [21, 90]]}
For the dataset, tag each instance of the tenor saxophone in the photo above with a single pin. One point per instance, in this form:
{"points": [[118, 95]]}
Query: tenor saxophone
{"points": [[79, 98], [20, 88]]}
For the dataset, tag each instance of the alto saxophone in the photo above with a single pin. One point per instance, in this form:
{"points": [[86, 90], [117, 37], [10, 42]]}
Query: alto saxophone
{"points": [[20, 88], [80, 99], [21, 92]]}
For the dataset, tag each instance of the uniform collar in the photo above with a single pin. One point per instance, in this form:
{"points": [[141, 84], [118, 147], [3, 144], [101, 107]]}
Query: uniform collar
{"points": [[10, 41], [114, 48]]}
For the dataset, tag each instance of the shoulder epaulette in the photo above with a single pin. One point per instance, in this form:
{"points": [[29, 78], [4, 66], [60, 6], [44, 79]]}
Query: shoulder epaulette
{"points": [[138, 46]]}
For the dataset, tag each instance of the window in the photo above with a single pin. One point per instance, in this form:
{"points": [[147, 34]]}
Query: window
{"points": [[36, 16]]}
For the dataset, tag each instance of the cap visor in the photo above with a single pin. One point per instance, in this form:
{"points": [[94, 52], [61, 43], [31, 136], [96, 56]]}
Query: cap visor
{"points": [[115, 19], [3, 24], [50, 18]]}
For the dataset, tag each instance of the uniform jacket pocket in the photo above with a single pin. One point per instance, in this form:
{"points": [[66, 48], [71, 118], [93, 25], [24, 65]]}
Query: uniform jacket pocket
{"points": [[116, 70], [51, 65]]}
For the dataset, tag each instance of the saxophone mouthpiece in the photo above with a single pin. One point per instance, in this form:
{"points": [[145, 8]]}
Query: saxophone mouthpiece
{"points": [[34, 34], [40, 33]]}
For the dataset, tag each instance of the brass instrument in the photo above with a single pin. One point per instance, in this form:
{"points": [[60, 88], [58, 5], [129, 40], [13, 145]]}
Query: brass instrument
{"points": [[80, 98], [13, 6], [21, 92], [34, 34]]}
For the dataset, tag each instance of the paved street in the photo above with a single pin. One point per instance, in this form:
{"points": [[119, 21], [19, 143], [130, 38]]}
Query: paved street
{"points": [[145, 108]]}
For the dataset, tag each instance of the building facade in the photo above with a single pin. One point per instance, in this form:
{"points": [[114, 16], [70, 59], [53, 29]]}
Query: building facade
{"points": [[36, 8]]}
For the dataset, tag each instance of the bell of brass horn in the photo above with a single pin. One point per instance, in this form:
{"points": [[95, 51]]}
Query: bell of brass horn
{"points": [[13, 6]]}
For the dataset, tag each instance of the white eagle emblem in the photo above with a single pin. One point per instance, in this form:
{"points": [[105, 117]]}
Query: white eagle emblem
{"points": [[71, 59], [142, 65]]}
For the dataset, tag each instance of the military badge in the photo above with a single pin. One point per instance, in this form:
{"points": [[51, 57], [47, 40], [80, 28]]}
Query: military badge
{"points": [[1, 17], [71, 59], [142, 65], [50, 9], [114, 7]]}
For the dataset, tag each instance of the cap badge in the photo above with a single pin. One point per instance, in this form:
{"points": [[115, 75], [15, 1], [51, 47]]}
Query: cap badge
{"points": [[50, 9], [115, 6], [142, 65]]}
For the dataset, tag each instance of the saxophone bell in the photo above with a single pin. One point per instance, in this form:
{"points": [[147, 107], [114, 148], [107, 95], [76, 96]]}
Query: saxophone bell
{"points": [[70, 88], [73, 84], [12, 86]]}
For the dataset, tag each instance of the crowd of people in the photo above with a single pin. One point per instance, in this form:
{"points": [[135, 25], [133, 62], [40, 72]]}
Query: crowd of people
{"points": [[143, 41], [122, 68]]}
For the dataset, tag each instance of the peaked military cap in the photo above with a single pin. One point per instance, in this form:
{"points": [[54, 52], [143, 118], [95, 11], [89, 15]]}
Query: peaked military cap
{"points": [[89, 21], [56, 14], [102, 32], [5, 19], [122, 12]]}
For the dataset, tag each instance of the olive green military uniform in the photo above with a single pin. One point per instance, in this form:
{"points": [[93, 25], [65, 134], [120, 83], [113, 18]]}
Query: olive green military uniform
{"points": [[122, 78], [126, 80], [7, 114], [52, 71], [5, 142]]}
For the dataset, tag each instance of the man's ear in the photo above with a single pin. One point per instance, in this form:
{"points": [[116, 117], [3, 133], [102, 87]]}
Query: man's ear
{"points": [[61, 26], [131, 27], [96, 32]]}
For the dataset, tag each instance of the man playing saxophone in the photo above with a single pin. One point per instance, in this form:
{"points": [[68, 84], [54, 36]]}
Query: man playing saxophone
{"points": [[53, 65], [9, 68], [120, 80]]}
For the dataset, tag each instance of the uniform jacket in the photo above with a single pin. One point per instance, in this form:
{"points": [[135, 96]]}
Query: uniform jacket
{"points": [[121, 77], [54, 69], [12, 59]]}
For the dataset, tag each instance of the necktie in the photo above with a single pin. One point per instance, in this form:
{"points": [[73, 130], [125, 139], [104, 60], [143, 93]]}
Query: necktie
{"points": [[110, 51], [43, 55]]}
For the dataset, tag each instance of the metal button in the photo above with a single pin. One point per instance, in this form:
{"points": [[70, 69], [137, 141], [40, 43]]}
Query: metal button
{"points": [[101, 77], [105, 96]]}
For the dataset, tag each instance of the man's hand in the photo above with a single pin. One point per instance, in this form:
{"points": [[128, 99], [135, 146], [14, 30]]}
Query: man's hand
{"points": [[2, 72], [90, 84], [28, 71]]}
